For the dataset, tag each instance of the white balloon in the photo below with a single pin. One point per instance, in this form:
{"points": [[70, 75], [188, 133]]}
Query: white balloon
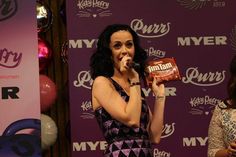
{"points": [[48, 131]]}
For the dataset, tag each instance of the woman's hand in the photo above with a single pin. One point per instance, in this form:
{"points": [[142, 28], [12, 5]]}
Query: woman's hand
{"points": [[158, 88], [124, 63], [126, 68]]}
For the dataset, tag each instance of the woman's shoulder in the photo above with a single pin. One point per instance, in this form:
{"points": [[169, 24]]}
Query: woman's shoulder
{"points": [[101, 81]]}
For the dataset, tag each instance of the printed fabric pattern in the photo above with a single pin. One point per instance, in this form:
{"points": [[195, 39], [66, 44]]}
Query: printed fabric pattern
{"points": [[124, 141], [222, 129]]}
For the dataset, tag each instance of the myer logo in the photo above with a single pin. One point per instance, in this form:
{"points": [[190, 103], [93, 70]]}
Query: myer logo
{"points": [[194, 141], [203, 40], [82, 43], [89, 145]]}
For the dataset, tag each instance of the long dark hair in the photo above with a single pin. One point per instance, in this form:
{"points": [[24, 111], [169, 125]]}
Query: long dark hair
{"points": [[231, 86], [101, 63]]}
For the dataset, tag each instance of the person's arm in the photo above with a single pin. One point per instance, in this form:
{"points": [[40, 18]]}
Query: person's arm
{"points": [[216, 146], [157, 116], [105, 94]]}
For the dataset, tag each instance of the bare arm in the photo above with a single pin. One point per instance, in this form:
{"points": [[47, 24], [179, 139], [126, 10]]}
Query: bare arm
{"points": [[105, 95], [157, 118]]}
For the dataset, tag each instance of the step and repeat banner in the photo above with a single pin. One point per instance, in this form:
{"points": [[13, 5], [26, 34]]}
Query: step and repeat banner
{"points": [[19, 80], [199, 34]]}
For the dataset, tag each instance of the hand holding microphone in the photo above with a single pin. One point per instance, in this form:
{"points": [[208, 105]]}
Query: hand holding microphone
{"points": [[127, 65]]}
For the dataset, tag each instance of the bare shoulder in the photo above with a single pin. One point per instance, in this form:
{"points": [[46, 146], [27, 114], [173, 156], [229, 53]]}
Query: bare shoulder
{"points": [[101, 85], [101, 81]]}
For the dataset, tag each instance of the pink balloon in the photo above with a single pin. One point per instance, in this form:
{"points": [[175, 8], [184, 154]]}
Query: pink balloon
{"points": [[48, 92], [44, 53]]}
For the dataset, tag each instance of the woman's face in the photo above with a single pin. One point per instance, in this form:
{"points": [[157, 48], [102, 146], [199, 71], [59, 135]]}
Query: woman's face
{"points": [[121, 45]]}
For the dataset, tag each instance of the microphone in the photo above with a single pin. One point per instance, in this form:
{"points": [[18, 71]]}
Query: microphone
{"points": [[133, 65]]}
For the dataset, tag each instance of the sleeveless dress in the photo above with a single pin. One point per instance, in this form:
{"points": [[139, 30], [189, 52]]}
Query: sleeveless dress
{"points": [[124, 141]]}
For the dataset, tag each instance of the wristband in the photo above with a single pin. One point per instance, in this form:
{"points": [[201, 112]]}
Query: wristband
{"points": [[159, 97], [134, 84]]}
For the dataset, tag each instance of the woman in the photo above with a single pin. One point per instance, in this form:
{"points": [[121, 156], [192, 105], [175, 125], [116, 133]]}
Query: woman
{"points": [[125, 119], [222, 128]]}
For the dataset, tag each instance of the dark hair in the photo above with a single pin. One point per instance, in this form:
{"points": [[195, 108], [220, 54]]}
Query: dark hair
{"points": [[231, 86], [101, 63]]}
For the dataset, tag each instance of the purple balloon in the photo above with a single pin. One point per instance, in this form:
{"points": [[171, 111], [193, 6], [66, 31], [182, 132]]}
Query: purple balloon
{"points": [[44, 53]]}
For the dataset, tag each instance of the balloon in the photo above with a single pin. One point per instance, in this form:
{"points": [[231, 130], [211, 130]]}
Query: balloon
{"points": [[48, 131], [44, 53], [48, 92], [44, 16]]}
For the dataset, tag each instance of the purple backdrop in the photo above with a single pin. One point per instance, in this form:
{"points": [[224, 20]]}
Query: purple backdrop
{"points": [[199, 34]]}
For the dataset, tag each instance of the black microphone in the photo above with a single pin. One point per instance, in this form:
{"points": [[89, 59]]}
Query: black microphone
{"points": [[133, 65]]}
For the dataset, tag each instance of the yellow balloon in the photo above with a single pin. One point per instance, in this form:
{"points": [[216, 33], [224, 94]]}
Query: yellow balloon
{"points": [[48, 131]]}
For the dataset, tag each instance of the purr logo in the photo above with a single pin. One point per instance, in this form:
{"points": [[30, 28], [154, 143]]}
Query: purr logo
{"points": [[154, 30], [195, 77], [8, 8]]}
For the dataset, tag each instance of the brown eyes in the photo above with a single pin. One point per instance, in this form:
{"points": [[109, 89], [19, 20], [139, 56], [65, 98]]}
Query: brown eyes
{"points": [[119, 45]]}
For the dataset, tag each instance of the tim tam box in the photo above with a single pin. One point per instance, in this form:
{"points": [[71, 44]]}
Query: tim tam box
{"points": [[164, 69]]}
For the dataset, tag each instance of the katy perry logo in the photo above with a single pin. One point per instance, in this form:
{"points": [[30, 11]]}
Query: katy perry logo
{"points": [[93, 8], [8, 8], [9, 59]]}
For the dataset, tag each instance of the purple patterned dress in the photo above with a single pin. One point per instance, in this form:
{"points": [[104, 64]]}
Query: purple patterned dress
{"points": [[124, 141]]}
